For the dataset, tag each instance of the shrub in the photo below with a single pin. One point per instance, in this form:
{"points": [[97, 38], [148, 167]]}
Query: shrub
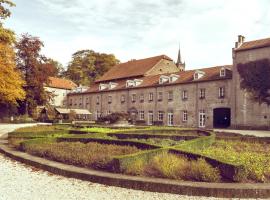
{"points": [[167, 165], [200, 170]]}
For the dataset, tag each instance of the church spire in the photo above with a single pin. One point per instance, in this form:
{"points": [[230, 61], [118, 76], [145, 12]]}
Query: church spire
{"points": [[179, 56], [179, 63]]}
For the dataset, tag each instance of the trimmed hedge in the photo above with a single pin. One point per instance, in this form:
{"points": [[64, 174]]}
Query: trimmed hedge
{"points": [[39, 134], [36, 141], [199, 143], [120, 163], [140, 145], [147, 136]]}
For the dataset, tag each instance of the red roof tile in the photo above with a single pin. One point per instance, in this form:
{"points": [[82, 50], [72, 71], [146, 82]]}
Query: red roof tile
{"points": [[211, 74], [133, 68], [254, 44], [61, 83]]}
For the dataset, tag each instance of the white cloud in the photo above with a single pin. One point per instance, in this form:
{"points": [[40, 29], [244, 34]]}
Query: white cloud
{"points": [[136, 29]]}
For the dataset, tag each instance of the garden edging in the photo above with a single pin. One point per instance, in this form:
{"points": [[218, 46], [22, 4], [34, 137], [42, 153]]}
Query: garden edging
{"points": [[225, 190]]}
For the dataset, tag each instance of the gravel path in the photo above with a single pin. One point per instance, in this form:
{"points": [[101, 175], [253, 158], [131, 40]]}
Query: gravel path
{"points": [[18, 181]]}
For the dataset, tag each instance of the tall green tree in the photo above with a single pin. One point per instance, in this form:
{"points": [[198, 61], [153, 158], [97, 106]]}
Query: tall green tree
{"points": [[87, 65], [36, 69], [11, 83]]}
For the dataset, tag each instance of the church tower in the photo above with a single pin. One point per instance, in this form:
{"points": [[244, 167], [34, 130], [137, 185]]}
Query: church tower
{"points": [[181, 65]]}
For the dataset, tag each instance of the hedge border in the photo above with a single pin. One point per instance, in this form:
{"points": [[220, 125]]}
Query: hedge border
{"points": [[222, 190]]}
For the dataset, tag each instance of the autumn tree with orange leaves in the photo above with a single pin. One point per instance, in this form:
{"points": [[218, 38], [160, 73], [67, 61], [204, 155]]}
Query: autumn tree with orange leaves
{"points": [[11, 83]]}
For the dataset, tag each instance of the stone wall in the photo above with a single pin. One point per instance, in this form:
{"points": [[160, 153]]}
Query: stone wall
{"points": [[176, 106], [246, 113]]}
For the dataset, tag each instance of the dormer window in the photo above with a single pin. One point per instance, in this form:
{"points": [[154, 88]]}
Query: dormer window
{"points": [[222, 72], [112, 85], [173, 77], [137, 82], [198, 74], [164, 79], [103, 86], [130, 83]]}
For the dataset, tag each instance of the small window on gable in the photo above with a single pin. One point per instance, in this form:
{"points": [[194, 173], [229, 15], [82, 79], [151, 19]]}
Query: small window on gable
{"points": [[102, 86], [130, 83], [112, 85], [222, 72], [164, 79], [198, 74], [137, 82], [173, 78]]}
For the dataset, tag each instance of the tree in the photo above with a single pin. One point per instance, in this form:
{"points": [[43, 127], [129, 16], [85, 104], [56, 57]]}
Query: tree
{"points": [[11, 83], [54, 67], [87, 65], [35, 69], [255, 79]]}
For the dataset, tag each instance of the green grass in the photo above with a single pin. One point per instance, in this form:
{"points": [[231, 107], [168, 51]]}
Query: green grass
{"points": [[254, 157]]}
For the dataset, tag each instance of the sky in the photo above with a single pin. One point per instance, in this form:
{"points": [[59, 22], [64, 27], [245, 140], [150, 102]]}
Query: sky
{"points": [[206, 30]]}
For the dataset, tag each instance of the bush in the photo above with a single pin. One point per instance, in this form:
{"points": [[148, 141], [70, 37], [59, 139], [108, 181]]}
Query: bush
{"points": [[113, 118], [167, 165], [200, 170]]}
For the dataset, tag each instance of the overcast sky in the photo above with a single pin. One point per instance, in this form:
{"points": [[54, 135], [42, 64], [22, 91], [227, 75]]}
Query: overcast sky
{"points": [[134, 29]]}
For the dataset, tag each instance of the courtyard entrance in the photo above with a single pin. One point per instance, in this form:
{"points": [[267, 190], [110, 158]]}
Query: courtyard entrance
{"points": [[221, 117]]}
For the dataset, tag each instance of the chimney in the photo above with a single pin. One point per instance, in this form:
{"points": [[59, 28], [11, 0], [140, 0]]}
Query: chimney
{"points": [[241, 40]]}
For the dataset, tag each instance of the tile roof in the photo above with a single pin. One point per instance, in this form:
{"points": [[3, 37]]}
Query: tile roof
{"points": [[61, 83], [133, 68], [211, 74], [254, 44]]}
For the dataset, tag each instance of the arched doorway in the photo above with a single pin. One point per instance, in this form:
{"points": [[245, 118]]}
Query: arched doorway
{"points": [[221, 117]]}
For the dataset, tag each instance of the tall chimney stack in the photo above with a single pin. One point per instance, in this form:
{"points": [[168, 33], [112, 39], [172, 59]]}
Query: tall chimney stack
{"points": [[241, 40]]}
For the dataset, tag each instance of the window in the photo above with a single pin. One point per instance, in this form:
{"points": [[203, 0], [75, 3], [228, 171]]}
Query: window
{"points": [[109, 99], [221, 92], [198, 74], [98, 100], [185, 116], [160, 96], [98, 114], [102, 86], [142, 98], [184, 95], [170, 95], [108, 112], [202, 93], [170, 119], [133, 98], [150, 97], [141, 115], [123, 99], [222, 72], [160, 115], [70, 102], [150, 117]]}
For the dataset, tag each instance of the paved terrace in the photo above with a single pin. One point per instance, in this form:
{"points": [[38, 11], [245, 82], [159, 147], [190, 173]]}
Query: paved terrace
{"points": [[22, 182]]}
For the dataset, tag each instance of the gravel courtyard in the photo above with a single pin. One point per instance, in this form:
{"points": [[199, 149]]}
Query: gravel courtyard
{"points": [[18, 181]]}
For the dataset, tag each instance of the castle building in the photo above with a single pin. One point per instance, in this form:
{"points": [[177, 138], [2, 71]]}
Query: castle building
{"points": [[156, 90]]}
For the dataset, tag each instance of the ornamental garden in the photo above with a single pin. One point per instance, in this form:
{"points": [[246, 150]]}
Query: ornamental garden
{"points": [[165, 152]]}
